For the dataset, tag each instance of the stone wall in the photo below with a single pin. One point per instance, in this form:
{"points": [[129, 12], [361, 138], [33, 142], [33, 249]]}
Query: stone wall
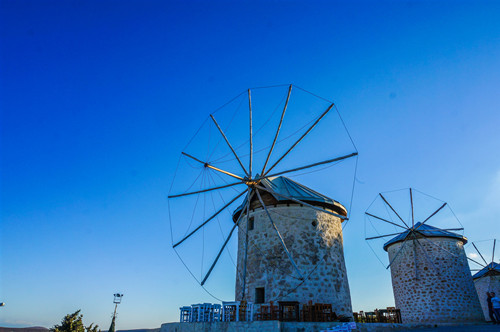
{"points": [[432, 282], [314, 239], [487, 284]]}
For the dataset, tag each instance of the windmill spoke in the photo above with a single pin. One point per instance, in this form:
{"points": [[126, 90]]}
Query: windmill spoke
{"points": [[426, 239], [312, 165], [301, 202], [222, 249], [212, 167], [427, 256], [412, 215], [378, 237], [278, 130], [251, 138], [300, 139], [246, 248], [229, 144], [453, 229], [484, 260], [386, 202], [206, 221], [493, 255], [432, 215], [397, 254], [279, 235], [472, 260], [390, 222], [205, 190]]}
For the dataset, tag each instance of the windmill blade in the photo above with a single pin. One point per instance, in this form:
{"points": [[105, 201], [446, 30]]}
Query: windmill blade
{"points": [[386, 202], [229, 144], [397, 254], [311, 165], [432, 215], [412, 214], [472, 260], [205, 190], [484, 260], [206, 164], [301, 202], [300, 139], [279, 235], [278, 130], [390, 222], [251, 137], [212, 217], [493, 255], [378, 237], [246, 247], [221, 250]]}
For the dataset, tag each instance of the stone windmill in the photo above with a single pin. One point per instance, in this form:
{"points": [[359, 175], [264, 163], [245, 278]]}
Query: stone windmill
{"points": [[290, 243], [310, 227], [486, 279], [429, 269]]}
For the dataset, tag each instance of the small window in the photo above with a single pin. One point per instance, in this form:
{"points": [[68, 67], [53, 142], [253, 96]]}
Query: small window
{"points": [[314, 223], [250, 224], [259, 295]]}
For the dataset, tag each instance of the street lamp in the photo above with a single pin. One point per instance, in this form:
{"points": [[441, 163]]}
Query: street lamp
{"points": [[2, 304], [116, 300]]}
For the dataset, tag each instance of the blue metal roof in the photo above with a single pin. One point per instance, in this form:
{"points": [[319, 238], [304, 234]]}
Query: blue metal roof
{"points": [[495, 267], [426, 231], [285, 186]]}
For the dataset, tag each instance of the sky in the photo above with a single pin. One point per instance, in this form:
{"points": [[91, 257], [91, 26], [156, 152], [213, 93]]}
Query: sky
{"points": [[98, 99]]}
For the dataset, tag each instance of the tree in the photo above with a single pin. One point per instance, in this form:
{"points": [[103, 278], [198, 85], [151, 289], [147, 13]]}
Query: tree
{"points": [[74, 323]]}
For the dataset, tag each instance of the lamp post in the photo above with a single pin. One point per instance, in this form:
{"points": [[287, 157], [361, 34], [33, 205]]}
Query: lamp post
{"points": [[2, 304], [117, 300]]}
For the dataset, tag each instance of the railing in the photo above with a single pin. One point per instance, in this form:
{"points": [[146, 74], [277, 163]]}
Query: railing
{"points": [[284, 311], [388, 315]]}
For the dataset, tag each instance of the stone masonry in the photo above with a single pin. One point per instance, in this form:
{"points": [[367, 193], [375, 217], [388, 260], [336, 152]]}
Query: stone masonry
{"points": [[314, 239], [487, 283], [432, 281]]}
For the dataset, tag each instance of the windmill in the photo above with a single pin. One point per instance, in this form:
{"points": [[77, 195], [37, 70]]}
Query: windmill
{"points": [[258, 183], [429, 268], [487, 277]]}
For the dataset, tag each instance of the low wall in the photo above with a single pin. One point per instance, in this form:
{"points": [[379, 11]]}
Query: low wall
{"points": [[277, 326]]}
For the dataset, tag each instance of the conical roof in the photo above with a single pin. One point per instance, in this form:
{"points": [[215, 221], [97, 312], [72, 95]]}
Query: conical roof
{"points": [[490, 269], [425, 231], [284, 186]]}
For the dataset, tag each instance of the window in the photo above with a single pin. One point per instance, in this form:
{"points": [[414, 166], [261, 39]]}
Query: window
{"points": [[250, 224], [314, 223], [259, 295]]}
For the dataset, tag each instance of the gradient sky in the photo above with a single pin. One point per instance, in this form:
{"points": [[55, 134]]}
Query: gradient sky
{"points": [[98, 98]]}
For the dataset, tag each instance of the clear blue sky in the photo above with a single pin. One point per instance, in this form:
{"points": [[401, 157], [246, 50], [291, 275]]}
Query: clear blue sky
{"points": [[98, 98]]}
